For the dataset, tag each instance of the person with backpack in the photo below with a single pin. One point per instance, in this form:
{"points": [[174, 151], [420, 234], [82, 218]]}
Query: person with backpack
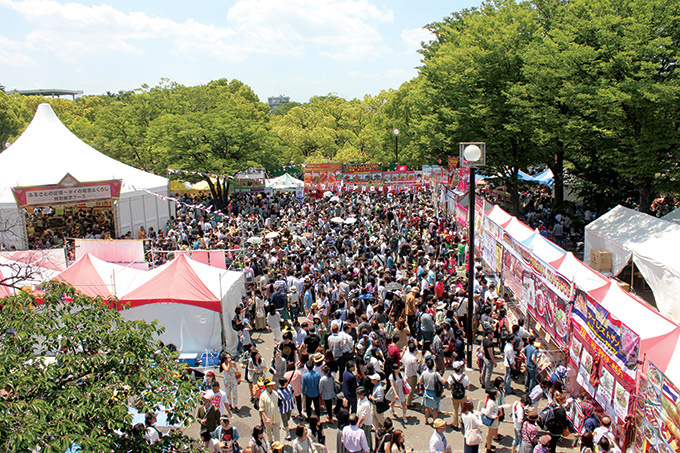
{"points": [[459, 384], [554, 420]]}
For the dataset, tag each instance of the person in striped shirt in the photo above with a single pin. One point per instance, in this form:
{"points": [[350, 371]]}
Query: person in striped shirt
{"points": [[286, 403]]}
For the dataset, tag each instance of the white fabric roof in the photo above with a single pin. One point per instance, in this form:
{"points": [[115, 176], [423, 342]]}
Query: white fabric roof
{"points": [[621, 230], [673, 216], [654, 245], [47, 151], [284, 182]]}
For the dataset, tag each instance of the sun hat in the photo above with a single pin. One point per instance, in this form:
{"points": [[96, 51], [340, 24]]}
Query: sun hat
{"points": [[374, 376], [439, 423]]}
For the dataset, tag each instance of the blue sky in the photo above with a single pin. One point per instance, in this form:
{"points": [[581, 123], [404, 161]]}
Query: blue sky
{"points": [[298, 48]]}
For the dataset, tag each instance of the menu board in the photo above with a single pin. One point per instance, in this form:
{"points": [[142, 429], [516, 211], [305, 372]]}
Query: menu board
{"points": [[543, 291], [323, 176], [613, 341], [657, 418]]}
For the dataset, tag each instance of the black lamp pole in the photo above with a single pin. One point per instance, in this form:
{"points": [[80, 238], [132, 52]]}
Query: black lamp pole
{"points": [[471, 264]]}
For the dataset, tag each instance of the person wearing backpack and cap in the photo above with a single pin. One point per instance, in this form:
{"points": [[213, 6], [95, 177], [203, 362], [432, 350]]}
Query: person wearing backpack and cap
{"points": [[459, 384]]}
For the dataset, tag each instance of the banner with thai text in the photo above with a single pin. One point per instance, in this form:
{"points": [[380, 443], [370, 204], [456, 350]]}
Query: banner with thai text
{"points": [[75, 193], [617, 346]]}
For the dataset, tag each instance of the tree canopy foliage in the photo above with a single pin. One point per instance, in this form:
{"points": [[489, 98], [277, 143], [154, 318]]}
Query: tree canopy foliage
{"points": [[104, 365], [590, 86]]}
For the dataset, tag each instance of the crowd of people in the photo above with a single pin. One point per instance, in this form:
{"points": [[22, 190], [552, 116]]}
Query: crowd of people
{"points": [[368, 317], [49, 227]]}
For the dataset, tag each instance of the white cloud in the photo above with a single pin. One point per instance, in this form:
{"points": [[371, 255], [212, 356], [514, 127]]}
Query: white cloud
{"points": [[364, 74], [271, 27], [413, 38], [11, 54], [402, 74]]}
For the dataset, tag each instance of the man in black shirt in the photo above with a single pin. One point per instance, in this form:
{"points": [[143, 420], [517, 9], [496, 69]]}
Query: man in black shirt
{"points": [[288, 348], [489, 359]]}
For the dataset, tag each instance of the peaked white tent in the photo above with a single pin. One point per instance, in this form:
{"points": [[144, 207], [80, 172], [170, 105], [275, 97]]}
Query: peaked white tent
{"points": [[47, 151], [284, 182]]}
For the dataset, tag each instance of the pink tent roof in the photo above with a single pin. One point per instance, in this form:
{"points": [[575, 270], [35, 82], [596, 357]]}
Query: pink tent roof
{"points": [[178, 283], [83, 276]]}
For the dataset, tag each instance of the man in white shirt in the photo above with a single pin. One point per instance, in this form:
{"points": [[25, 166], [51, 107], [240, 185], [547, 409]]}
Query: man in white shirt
{"points": [[509, 362], [438, 443], [604, 430], [365, 415], [410, 370], [353, 437], [218, 398]]}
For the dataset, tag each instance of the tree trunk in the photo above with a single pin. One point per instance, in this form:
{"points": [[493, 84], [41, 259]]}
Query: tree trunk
{"points": [[645, 197], [558, 174], [515, 191]]}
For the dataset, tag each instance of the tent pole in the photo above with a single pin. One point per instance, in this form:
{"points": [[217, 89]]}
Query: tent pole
{"points": [[632, 275], [222, 336]]}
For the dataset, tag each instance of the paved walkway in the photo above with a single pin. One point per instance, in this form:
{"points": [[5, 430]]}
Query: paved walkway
{"points": [[416, 432]]}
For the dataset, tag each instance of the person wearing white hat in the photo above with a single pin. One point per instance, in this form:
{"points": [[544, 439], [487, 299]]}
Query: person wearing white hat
{"points": [[377, 398], [459, 384]]}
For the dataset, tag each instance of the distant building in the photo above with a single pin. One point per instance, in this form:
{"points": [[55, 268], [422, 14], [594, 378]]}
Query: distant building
{"points": [[277, 101], [48, 93]]}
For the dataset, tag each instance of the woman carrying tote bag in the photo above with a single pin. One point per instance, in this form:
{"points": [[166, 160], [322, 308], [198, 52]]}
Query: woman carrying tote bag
{"points": [[472, 428]]}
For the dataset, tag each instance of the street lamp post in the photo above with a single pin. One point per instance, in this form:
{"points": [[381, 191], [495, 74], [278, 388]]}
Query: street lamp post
{"points": [[395, 132], [472, 155]]}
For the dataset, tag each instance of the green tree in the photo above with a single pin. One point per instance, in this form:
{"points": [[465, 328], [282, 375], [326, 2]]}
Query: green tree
{"points": [[476, 59], [104, 365], [221, 129]]}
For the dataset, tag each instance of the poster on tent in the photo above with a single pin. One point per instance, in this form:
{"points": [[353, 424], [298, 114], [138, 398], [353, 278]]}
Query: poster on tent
{"points": [[400, 178], [614, 341], [517, 276], [461, 216], [657, 418], [463, 181], [323, 176], [454, 172], [363, 175]]}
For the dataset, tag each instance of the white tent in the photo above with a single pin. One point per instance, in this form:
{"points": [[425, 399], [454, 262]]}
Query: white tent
{"points": [[654, 246], [193, 301], [284, 182], [673, 216], [47, 151]]}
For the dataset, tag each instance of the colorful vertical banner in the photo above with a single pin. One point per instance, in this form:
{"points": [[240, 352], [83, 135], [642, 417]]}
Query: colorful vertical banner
{"points": [[657, 417]]}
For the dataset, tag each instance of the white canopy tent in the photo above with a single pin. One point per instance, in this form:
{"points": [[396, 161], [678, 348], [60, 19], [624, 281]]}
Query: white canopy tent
{"points": [[284, 182], [652, 243], [47, 151]]}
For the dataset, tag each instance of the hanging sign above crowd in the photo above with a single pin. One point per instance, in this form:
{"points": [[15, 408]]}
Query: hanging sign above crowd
{"points": [[68, 191]]}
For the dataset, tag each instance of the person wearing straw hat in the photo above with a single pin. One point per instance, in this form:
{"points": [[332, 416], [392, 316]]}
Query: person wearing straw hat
{"points": [[438, 442], [269, 411]]}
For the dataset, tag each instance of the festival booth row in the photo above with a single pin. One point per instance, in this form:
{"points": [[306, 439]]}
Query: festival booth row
{"points": [[193, 301], [622, 355], [49, 167], [368, 177]]}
